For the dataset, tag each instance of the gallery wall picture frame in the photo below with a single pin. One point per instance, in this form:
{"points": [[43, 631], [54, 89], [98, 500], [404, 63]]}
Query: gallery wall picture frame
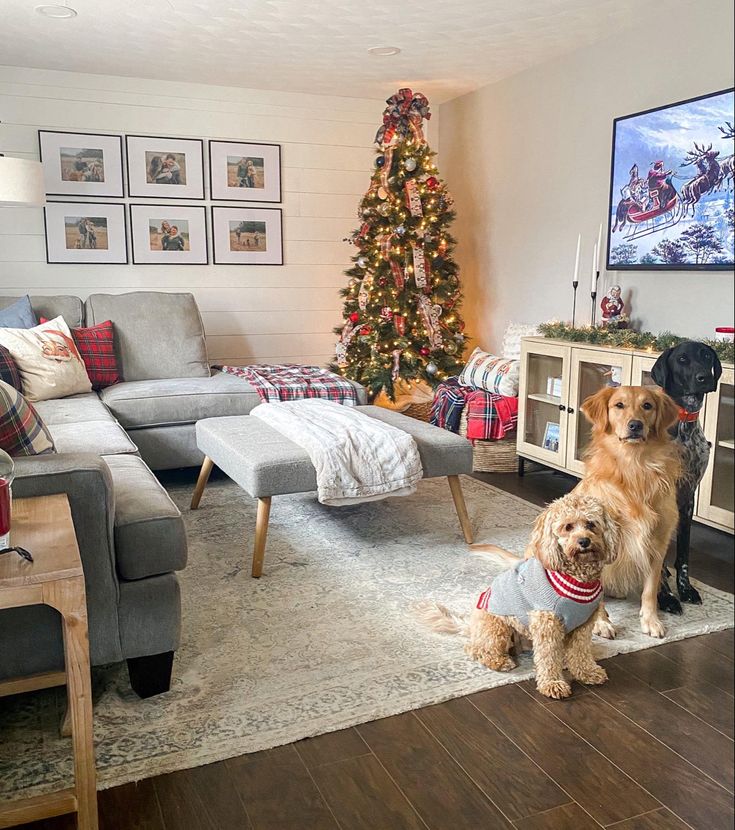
{"points": [[81, 164], [244, 171], [86, 233], [671, 169], [247, 236], [169, 234], [161, 167]]}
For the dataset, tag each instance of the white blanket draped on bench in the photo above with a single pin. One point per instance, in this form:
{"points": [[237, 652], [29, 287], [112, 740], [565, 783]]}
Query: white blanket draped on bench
{"points": [[356, 458]]}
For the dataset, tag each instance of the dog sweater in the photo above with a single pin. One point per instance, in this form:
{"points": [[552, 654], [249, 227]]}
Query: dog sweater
{"points": [[528, 586]]}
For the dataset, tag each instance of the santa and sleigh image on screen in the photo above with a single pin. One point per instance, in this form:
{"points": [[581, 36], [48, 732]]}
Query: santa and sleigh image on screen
{"points": [[671, 204]]}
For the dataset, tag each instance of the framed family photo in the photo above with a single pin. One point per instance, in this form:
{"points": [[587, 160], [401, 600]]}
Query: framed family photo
{"points": [[247, 236], [168, 235], [86, 233], [165, 168], [81, 164], [245, 171]]}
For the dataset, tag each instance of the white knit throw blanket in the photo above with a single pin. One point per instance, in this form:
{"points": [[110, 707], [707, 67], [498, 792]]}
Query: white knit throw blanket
{"points": [[357, 458]]}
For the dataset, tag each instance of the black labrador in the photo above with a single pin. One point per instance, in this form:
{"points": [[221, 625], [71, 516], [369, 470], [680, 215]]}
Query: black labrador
{"points": [[686, 372]]}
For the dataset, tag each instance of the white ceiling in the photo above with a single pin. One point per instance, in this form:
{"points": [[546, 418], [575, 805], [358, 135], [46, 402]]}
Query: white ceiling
{"points": [[448, 46]]}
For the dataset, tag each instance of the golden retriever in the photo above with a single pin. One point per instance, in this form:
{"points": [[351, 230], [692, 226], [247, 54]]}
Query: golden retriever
{"points": [[632, 466]]}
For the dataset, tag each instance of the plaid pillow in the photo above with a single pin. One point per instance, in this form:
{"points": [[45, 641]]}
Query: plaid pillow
{"points": [[9, 369], [22, 432], [97, 348]]}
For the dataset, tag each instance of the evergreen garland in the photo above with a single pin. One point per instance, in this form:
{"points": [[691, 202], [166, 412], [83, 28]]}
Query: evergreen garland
{"points": [[630, 339]]}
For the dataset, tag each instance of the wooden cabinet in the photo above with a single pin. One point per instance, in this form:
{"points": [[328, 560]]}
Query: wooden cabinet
{"points": [[556, 378]]}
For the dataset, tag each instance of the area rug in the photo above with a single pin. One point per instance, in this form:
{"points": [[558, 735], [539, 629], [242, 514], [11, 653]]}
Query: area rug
{"points": [[324, 640]]}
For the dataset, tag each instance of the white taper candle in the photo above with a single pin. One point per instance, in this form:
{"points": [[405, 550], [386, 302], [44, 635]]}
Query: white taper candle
{"points": [[576, 261]]}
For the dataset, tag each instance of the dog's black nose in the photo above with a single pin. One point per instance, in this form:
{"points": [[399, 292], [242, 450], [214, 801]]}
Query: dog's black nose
{"points": [[635, 426], [584, 542], [701, 377]]}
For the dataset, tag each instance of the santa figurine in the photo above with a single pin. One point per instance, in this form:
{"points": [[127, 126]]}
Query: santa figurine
{"points": [[612, 307]]}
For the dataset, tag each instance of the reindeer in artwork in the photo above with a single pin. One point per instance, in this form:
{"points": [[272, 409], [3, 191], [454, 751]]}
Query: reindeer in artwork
{"points": [[727, 166], [707, 178]]}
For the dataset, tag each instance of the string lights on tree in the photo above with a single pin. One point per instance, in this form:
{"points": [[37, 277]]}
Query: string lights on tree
{"points": [[401, 304]]}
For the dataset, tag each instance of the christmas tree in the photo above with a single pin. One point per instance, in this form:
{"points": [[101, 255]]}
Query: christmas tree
{"points": [[401, 320]]}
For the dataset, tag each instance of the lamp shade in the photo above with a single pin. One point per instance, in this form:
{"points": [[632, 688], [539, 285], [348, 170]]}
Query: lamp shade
{"points": [[21, 182]]}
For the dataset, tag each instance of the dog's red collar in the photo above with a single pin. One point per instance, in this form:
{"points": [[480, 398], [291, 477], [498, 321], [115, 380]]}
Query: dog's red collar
{"points": [[688, 417]]}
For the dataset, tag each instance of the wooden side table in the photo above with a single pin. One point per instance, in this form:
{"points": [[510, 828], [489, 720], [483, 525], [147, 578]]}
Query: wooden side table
{"points": [[43, 525]]}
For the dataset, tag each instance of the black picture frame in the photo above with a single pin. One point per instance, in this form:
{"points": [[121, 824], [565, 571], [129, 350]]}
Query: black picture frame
{"points": [[613, 203], [279, 211], [50, 261], [118, 136], [216, 141], [156, 195], [170, 207]]}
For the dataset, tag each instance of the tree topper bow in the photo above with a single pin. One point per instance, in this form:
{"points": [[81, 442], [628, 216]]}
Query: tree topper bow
{"points": [[403, 115]]}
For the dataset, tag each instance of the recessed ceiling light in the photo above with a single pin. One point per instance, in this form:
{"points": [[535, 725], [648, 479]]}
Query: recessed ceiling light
{"points": [[56, 11], [384, 51]]}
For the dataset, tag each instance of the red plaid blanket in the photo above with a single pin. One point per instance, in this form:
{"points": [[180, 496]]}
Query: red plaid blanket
{"points": [[489, 416], [286, 382]]}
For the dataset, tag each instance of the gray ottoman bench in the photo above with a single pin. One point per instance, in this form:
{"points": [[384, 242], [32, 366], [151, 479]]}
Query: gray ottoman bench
{"points": [[266, 464]]}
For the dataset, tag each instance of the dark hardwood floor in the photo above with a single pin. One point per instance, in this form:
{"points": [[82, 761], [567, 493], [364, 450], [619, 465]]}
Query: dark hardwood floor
{"points": [[650, 750]]}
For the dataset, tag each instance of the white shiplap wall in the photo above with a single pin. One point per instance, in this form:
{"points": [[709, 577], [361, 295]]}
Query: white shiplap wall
{"points": [[251, 313]]}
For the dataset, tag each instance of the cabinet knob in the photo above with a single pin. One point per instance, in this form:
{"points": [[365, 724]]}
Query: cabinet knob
{"points": [[570, 411], [562, 408]]}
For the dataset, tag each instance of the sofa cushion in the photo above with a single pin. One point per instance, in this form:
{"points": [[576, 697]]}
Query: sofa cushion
{"points": [[157, 334], [75, 409], [22, 430], [104, 437], [148, 403], [50, 306], [149, 532]]}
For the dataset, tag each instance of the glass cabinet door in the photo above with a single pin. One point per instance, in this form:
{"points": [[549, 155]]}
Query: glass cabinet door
{"points": [[641, 375], [542, 399], [591, 371], [716, 491]]}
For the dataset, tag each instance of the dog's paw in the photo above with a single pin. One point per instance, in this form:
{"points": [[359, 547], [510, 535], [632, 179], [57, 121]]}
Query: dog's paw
{"points": [[594, 676], [689, 594], [555, 689], [604, 628], [499, 663], [669, 603], [652, 626]]}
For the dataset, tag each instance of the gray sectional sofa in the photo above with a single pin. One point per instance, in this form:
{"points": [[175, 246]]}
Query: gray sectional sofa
{"points": [[131, 535]]}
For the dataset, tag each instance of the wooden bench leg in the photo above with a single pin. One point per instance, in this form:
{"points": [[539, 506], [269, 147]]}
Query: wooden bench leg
{"points": [[261, 532], [207, 465], [461, 507]]}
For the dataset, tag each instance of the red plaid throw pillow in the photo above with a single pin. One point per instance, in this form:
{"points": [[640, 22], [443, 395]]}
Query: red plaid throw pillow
{"points": [[97, 348], [9, 370], [22, 432]]}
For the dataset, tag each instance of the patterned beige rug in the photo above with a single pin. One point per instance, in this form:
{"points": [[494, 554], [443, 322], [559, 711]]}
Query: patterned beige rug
{"points": [[323, 641]]}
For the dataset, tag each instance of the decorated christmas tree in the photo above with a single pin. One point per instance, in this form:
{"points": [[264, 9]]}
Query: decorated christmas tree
{"points": [[401, 311]]}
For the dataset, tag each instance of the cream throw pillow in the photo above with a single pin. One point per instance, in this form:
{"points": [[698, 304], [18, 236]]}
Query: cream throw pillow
{"points": [[48, 360]]}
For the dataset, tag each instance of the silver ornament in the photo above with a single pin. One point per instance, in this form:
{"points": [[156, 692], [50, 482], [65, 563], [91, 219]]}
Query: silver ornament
{"points": [[410, 164], [383, 208], [431, 368], [400, 230], [362, 261]]}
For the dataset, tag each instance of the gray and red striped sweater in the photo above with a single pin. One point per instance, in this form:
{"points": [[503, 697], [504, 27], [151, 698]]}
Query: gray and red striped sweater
{"points": [[528, 586]]}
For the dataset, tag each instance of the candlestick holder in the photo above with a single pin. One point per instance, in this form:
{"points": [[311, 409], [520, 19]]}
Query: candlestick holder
{"points": [[575, 284], [593, 294]]}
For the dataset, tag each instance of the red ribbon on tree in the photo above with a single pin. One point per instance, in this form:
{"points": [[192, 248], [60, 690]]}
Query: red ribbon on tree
{"points": [[403, 115]]}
